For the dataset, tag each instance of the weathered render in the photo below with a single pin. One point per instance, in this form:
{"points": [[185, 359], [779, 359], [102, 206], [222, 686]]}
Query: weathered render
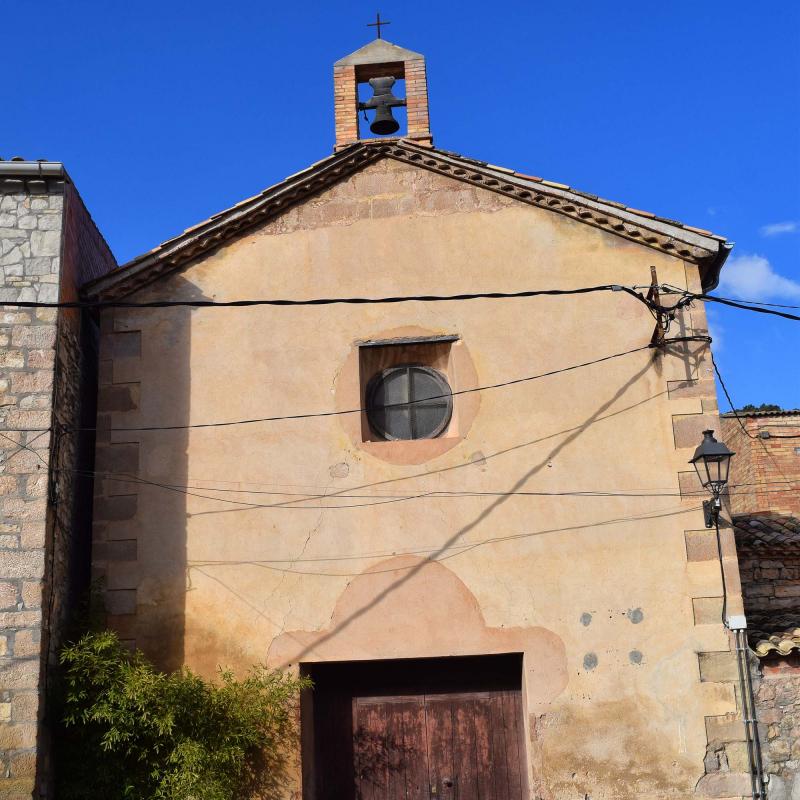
{"points": [[49, 246], [301, 541]]}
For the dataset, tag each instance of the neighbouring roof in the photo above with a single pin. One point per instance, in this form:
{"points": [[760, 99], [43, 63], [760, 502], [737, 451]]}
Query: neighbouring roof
{"points": [[781, 643], [766, 533], [696, 245], [784, 412], [18, 174]]}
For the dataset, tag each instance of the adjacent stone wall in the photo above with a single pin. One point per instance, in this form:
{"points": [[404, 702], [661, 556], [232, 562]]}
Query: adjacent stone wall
{"points": [[30, 239], [771, 589], [778, 709], [49, 246]]}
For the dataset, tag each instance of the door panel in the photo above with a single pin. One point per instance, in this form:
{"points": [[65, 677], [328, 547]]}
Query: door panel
{"points": [[426, 729], [473, 746], [389, 748]]}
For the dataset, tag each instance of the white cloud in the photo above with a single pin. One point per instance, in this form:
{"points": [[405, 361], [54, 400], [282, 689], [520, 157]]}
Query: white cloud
{"points": [[777, 228], [751, 277]]}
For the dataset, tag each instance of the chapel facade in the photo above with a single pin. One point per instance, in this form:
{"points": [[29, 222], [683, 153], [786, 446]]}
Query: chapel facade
{"points": [[471, 522]]}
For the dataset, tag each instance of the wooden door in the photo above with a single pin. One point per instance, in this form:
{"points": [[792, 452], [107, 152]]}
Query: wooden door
{"points": [[444, 746], [390, 761], [474, 746]]}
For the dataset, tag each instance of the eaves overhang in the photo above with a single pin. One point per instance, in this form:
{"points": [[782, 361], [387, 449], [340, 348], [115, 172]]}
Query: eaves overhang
{"points": [[698, 246], [33, 177]]}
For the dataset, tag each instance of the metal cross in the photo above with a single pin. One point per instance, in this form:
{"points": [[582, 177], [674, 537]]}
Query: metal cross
{"points": [[377, 24]]}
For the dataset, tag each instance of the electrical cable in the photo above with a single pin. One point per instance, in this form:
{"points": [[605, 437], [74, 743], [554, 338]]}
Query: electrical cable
{"points": [[192, 491], [127, 478], [318, 414], [736, 413], [456, 550], [707, 298], [323, 301], [722, 574]]}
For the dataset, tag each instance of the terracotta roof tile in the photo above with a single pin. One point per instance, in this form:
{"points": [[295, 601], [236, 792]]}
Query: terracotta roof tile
{"points": [[272, 200], [782, 643], [757, 533]]}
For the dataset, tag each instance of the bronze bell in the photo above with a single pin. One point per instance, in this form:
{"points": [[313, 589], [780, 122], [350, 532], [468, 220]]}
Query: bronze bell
{"points": [[382, 101], [384, 122]]}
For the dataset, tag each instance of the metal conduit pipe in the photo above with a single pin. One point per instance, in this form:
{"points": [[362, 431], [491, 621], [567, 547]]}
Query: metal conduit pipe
{"points": [[755, 759]]}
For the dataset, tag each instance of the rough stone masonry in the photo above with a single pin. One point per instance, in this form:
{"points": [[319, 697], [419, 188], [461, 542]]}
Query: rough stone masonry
{"points": [[48, 246]]}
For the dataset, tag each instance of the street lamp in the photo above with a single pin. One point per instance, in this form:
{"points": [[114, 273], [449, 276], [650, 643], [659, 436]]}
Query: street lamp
{"points": [[712, 462]]}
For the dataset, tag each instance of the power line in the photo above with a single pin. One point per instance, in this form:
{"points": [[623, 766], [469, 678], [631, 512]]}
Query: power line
{"points": [[192, 491], [454, 550], [707, 298], [319, 414], [736, 413], [322, 301], [760, 303]]}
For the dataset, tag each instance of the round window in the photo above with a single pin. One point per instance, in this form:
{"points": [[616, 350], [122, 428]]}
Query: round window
{"points": [[409, 402]]}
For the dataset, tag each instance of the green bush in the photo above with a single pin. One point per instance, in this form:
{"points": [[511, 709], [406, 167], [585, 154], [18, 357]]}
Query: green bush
{"points": [[134, 733]]}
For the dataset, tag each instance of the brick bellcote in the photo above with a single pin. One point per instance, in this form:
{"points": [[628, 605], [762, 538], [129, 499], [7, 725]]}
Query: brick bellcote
{"points": [[380, 59]]}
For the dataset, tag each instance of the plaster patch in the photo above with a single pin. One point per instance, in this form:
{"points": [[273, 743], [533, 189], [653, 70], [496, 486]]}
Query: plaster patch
{"points": [[408, 607], [635, 615], [340, 470]]}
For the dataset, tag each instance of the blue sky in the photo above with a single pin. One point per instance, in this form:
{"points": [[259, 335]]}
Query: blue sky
{"points": [[166, 112]]}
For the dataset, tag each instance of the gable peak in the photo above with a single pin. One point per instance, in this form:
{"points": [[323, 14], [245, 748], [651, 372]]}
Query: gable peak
{"points": [[378, 51]]}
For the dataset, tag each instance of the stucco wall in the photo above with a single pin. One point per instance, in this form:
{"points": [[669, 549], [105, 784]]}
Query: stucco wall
{"points": [[614, 600]]}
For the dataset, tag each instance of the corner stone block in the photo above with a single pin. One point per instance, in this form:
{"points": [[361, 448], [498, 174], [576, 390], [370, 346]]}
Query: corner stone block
{"points": [[20, 675], [725, 728], [690, 388], [121, 602], [118, 458], [701, 545], [8, 596], [724, 784], [45, 243], [718, 667], [126, 344], [26, 564], [118, 397], [688, 429], [25, 707], [689, 485], [707, 610], [112, 509], [17, 737]]}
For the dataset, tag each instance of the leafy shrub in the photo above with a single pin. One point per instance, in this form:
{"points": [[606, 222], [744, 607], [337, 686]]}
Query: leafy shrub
{"points": [[134, 733]]}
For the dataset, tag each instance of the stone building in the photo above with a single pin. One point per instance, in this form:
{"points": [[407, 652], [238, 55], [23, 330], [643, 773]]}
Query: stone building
{"points": [[471, 522], [49, 247]]}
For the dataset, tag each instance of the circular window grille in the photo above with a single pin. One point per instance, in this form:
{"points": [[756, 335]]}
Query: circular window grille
{"points": [[409, 402]]}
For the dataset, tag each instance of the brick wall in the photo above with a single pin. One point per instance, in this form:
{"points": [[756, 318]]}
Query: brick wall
{"points": [[766, 470], [346, 78], [771, 591], [49, 246]]}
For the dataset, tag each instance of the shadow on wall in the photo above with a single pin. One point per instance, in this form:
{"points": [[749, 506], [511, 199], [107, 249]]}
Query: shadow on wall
{"points": [[140, 512], [311, 649]]}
